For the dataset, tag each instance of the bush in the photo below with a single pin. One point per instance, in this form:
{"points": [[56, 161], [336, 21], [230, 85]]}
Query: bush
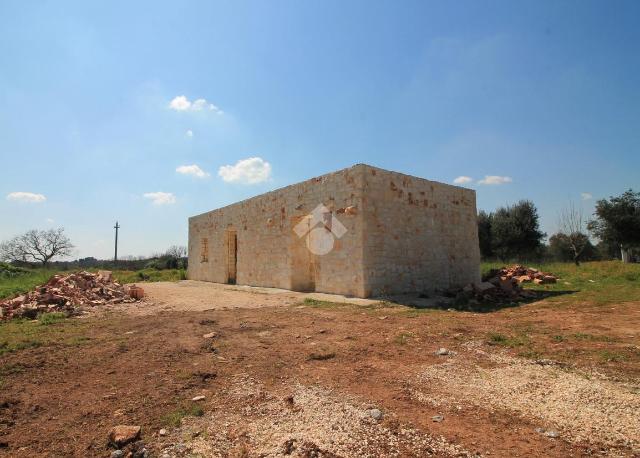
{"points": [[9, 271]]}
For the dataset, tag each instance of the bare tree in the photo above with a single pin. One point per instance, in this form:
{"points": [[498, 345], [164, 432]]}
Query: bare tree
{"points": [[571, 224], [176, 252], [37, 246]]}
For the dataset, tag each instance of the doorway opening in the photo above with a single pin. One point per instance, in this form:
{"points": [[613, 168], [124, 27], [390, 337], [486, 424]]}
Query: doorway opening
{"points": [[303, 263]]}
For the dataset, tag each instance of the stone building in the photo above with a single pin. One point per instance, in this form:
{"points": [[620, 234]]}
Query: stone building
{"points": [[361, 231]]}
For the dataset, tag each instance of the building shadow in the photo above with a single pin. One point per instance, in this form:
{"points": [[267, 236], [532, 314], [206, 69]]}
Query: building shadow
{"points": [[463, 304]]}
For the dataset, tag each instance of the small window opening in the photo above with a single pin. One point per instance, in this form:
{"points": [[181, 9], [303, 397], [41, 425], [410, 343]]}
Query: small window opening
{"points": [[204, 250]]}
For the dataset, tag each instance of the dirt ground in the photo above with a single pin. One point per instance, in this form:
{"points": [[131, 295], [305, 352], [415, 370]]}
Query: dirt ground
{"points": [[282, 376]]}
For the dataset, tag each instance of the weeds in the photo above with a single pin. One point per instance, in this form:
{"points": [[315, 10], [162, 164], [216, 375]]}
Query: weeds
{"points": [[612, 356], [50, 328], [592, 337], [26, 280], [518, 340], [404, 337], [174, 418], [324, 304], [47, 319]]}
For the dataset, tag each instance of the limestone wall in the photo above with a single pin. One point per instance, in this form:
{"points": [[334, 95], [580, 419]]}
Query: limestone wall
{"points": [[419, 235], [403, 234], [270, 253]]}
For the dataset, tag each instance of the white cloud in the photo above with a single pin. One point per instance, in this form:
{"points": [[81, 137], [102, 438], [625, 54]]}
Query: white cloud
{"points": [[26, 197], [462, 180], [160, 198], [248, 171], [50, 220], [182, 103], [494, 180], [586, 195], [189, 133], [192, 170]]}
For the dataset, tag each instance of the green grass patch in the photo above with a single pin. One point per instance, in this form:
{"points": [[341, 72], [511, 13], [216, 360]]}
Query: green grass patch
{"points": [[47, 319], [7, 270], [509, 341], [612, 356], [530, 354], [598, 282], [50, 329], [324, 304], [320, 304], [19, 284], [149, 275], [592, 337], [174, 418]]}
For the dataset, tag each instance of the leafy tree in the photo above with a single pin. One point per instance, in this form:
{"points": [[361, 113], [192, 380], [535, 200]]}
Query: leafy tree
{"points": [[37, 246], [484, 234], [607, 250], [617, 220], [515, 231]]}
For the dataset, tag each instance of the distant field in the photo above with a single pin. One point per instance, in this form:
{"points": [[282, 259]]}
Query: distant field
{"points": [[15, 283]]}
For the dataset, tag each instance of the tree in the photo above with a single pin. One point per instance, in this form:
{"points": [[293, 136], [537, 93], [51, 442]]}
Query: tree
{"points": [[176, 252], [37, 246], [515, 231], [617, 220], [484, 234], [571, 225], [561, 248], [173, 258]]}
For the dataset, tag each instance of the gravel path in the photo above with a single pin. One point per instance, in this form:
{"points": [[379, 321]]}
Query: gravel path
{"points": [[583, 408], [306, 421]]}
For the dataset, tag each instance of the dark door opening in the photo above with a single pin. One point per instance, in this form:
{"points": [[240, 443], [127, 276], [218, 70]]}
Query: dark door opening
{"points": [[232, 257]]}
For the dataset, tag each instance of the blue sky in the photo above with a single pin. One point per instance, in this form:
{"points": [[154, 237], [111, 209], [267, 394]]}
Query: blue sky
{"points": [[103, 104]]}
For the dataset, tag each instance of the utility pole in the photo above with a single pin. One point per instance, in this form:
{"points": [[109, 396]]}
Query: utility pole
{"points": [[116, 227]]}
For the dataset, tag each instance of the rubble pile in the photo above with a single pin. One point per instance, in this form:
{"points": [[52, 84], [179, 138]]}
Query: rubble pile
{"points": [[523, 274], [65, 293], [505, 284]]}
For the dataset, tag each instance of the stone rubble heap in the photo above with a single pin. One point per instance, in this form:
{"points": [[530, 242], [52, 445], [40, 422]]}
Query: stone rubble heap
{"points": [[506, 284], [65, 293]]}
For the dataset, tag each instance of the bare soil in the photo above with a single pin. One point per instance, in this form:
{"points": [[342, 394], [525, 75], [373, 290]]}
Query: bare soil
{"points": [[284, 377]]}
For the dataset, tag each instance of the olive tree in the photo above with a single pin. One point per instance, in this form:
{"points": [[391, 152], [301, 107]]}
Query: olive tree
{"points": [[617, 220]]}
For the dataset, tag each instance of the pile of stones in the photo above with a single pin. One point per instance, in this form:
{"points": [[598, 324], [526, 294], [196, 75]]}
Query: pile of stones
{"points": [[66, 293]]}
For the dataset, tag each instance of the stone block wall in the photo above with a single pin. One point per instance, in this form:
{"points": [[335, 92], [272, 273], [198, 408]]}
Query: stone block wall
{"points": [[419, 235], [403, 234], [270, 253]]}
